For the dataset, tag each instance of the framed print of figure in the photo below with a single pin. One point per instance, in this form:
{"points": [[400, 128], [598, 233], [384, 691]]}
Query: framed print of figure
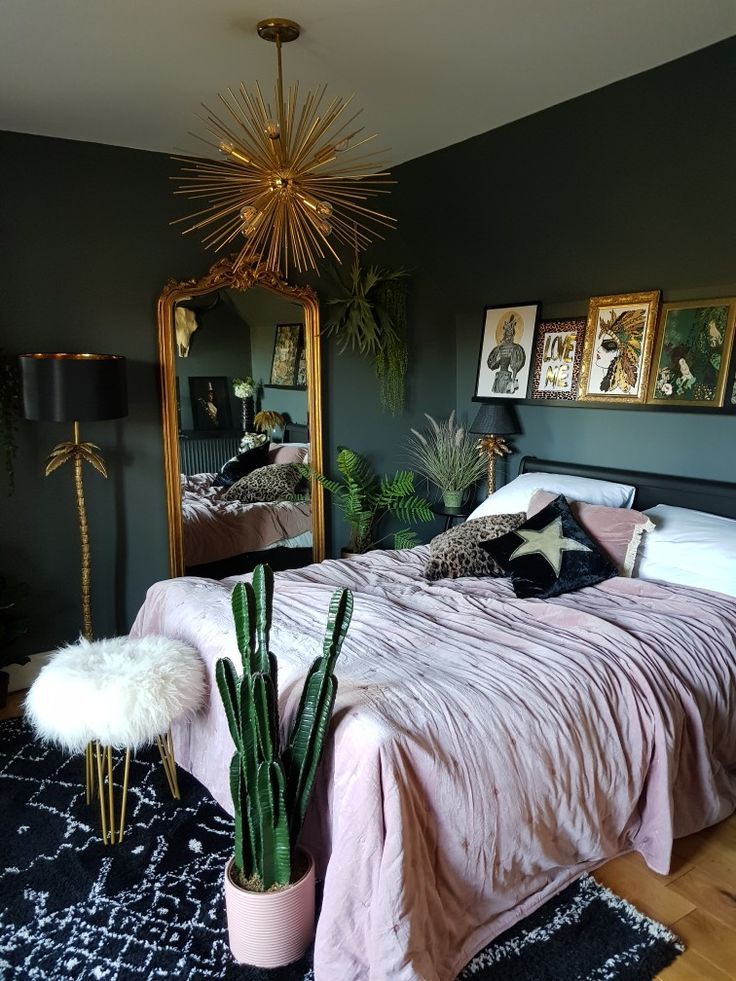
{"points": [[287, 348], [692, 352], [558, 353], [210, 403], [505, 351], [618, 347]]}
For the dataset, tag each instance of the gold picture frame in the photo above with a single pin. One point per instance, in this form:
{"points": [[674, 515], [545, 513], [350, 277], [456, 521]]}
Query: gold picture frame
{"points": [[692, 353], [619, 337]]}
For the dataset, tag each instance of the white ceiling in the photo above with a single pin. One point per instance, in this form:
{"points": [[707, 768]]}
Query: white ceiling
{"points": [[428, 72]]}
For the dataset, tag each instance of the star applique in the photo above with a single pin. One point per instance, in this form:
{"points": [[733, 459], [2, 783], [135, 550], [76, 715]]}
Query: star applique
{"points": [[549, 543]]}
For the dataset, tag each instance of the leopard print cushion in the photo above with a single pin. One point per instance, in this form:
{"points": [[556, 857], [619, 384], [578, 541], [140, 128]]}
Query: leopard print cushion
{"points": [[457, 553], [274, 482]]}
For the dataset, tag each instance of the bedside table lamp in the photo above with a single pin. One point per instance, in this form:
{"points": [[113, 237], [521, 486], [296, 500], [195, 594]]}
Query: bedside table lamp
{"points": [[75, 388], [494, 421]]}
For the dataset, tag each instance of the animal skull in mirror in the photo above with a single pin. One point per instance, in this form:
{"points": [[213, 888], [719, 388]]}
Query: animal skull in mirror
{"points": [[185, 324]]}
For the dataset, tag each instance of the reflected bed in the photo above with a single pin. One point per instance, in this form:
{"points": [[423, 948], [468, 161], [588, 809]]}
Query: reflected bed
{"points": [[216, 530]]}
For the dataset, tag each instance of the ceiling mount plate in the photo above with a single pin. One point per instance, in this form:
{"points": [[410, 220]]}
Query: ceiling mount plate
{"points": [[278, 29]]}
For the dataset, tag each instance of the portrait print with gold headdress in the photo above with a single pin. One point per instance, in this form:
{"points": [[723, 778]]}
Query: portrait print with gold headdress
{"points": [[505, 351], [618, 347]]}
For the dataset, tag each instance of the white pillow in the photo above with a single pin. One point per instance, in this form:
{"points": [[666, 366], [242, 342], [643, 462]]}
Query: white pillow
{"points": [[691, 548], [516, 495]]}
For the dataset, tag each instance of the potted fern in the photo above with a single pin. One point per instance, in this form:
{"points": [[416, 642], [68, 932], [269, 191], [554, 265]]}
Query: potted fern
{"points": [[269, 882], [369, 316], [447, 456], [365, 501]]}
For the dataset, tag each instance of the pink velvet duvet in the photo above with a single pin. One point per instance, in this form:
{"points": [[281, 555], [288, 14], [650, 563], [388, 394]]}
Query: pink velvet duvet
{"points": [[486, 750]]}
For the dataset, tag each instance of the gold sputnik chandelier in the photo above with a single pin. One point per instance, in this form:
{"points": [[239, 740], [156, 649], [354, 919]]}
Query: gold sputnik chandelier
{"points": [[291, 187]]}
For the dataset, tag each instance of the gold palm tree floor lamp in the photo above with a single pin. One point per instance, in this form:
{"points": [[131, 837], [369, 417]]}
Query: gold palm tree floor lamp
{"points": [[75, 388]]}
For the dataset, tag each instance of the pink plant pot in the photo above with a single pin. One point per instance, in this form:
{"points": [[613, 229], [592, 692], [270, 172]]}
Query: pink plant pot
{"points": [[270, 929]]}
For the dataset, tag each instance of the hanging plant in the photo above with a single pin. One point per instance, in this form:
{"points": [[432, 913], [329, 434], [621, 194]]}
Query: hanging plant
{"points": [[368, 315], [10, 405]]}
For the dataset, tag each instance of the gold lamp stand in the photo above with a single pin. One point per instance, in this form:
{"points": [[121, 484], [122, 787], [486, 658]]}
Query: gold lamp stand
{"points": [[79, 453], [492, 447]]}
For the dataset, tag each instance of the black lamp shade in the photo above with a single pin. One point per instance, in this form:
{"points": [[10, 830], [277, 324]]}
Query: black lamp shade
{"points": [[495, 419], [73, 387]]}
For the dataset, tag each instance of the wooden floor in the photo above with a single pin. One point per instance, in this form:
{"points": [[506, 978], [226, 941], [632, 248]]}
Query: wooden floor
{"points": [[14, 706], [697, 900]]}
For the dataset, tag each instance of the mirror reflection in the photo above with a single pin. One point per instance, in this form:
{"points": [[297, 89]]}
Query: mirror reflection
{"points": [[242, 412]]}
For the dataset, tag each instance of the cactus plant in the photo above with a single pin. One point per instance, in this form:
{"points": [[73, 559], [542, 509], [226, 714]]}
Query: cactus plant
{"points": [[270, 784]]}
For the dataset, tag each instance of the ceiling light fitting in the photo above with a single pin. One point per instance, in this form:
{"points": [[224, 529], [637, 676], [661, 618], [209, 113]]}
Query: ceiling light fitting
{"points": [[291, 188]]}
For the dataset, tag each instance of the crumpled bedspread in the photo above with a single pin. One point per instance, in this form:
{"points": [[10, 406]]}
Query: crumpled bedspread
{"points": [[215, 529], [485, 750]]}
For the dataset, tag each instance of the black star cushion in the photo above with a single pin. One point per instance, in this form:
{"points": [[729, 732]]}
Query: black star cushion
{"points": [[549, 554]]}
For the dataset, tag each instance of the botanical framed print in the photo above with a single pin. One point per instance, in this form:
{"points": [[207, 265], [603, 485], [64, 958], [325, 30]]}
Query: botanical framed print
{"points": [[210, 399], [692, 353], [287, 351], [558, 353], [505, 351], [618, 347]]}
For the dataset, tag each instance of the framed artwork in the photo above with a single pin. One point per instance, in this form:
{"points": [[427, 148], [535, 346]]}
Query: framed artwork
{"points": [[301, 370], [506, 351], [692, 353], [618, 347], [210, 399], [178, 405], [558, 353], [287, 349], [731, 389]]}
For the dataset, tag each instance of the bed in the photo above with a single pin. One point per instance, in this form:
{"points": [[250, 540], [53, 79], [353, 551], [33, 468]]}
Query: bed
{"points": [[485, 750], [216, 530]]}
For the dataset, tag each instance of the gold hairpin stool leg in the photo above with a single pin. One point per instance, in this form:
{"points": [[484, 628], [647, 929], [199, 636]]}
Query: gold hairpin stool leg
{"points": [[166, 749], [106, 793], [99, 770], [89, 773]]}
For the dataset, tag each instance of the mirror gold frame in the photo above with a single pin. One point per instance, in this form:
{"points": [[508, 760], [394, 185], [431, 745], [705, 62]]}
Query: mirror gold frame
{"points": [[223, 275]]}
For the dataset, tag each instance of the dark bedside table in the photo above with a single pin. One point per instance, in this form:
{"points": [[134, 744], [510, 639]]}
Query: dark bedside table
{"points": [[451, 515]]}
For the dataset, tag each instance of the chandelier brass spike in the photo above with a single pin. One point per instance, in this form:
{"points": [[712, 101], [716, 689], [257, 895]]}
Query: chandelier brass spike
{"points": [[292, 176]]}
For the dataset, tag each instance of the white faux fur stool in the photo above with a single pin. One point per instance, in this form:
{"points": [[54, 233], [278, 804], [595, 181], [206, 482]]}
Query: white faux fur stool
{"points": [[122, 693]]}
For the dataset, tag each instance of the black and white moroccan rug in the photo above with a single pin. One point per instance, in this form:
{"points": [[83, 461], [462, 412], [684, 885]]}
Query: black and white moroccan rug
{"points": [[153, 907]]}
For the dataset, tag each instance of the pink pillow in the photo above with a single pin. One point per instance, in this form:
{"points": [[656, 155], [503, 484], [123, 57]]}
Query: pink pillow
{"points": [[616, 531], [288, 452]]}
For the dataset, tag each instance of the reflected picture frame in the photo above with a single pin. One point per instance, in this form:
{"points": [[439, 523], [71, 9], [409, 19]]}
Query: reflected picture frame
{"points": [[288, 357], [210, 401]]}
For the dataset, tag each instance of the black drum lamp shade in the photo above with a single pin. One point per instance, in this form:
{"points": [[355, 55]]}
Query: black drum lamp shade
{"points": [[497, 419], [73, 387]]}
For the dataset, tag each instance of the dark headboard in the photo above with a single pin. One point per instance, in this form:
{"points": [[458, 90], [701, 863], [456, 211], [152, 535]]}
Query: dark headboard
{"points": [[713, 496]]}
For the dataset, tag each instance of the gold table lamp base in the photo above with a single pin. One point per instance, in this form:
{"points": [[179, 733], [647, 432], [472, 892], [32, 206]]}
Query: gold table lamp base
{"points": [[492, 446]]}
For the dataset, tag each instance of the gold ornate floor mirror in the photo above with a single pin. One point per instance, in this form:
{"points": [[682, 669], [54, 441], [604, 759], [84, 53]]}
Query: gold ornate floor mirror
{"points": [[229, 279]]}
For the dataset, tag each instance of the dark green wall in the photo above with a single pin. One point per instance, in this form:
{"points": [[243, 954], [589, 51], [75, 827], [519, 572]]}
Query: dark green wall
{"points": [[86, 247], [627, 188]]}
